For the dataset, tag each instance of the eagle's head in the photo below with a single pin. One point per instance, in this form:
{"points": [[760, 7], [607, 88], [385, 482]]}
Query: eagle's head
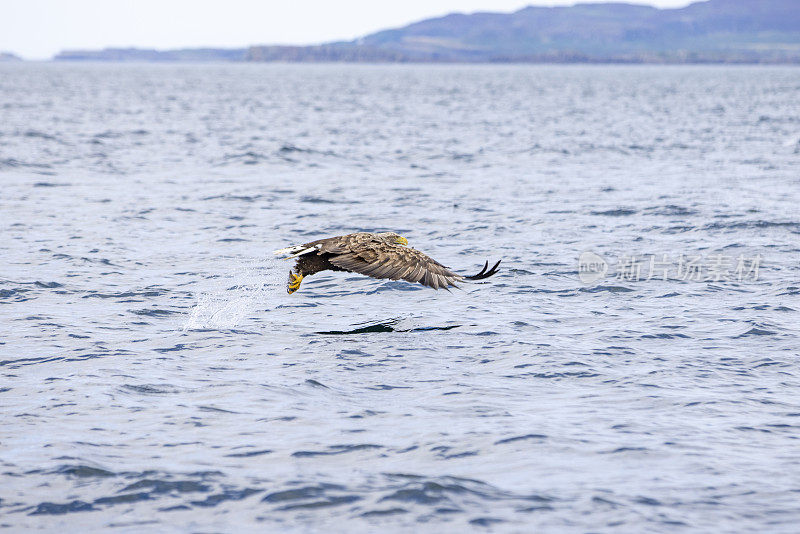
{"points": [[391, 237]]}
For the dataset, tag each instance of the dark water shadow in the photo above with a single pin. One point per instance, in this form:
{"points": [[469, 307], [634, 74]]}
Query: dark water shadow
{"points": [[379, 327]]}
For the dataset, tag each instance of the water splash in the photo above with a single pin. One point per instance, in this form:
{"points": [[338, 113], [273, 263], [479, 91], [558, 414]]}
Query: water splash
{"points": [[234, 297]]}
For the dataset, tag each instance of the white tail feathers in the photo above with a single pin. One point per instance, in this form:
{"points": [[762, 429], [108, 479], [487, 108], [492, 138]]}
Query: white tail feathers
{"points": [[288, 250], [296, 250]]}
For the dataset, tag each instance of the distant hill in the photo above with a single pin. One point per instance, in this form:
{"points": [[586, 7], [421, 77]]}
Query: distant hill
{"points": [[8, 56], [146, 54], [712, 31], [716, 30], [724, 31]]}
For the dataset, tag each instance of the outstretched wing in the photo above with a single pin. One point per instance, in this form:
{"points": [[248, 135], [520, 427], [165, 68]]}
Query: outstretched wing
{"points": [[396, 263], [339, 244], [343, 244], [379, 259]]}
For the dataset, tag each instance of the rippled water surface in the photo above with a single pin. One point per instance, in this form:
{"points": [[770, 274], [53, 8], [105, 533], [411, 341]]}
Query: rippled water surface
{"points": [[155, 375]]}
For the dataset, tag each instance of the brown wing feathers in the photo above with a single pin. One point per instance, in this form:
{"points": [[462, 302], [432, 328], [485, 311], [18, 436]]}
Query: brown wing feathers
{"points": [[382, 260], [362, 253]]}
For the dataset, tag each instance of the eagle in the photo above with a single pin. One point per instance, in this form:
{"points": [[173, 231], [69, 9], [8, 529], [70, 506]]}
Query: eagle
{"points": [[381, 255]]}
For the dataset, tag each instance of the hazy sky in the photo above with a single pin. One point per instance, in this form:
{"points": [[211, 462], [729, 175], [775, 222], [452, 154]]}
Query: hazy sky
{"points": [[37, 29]]}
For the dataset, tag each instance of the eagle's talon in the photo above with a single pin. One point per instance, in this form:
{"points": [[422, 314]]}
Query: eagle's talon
{"points": [[294, 282]]}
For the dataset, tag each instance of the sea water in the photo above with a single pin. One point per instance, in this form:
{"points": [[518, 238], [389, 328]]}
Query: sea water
{"points": [[633, 367]]}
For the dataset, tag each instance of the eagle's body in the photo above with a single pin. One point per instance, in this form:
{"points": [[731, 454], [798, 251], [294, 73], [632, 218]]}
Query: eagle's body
{"points": [[384, 255]]}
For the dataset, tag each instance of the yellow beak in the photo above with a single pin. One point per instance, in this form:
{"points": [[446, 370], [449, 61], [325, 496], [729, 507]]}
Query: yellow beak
{"points": [[402, 240]]}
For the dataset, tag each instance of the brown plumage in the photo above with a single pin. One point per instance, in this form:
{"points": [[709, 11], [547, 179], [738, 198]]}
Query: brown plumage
{"points": [[384, 255]]}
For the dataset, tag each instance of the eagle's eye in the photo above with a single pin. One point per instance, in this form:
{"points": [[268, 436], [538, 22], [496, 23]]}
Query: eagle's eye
{"points": [[401, 240]]}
